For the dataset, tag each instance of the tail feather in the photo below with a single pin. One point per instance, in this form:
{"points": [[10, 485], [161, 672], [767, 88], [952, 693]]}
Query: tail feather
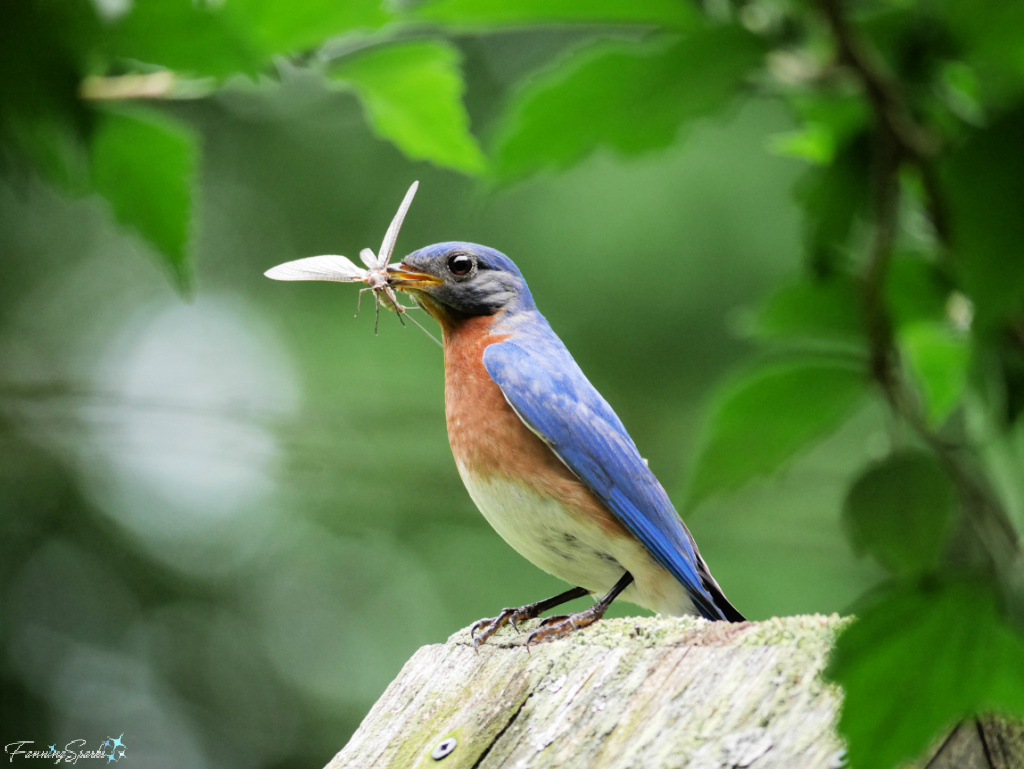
{"points": [[724, 606]]}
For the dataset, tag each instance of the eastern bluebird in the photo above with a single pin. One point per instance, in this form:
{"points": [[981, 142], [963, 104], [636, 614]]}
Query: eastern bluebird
{"points": [[543, 455]]}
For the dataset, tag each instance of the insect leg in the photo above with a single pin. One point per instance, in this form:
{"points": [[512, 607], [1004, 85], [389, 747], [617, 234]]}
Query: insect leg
{"points": [[359, 302], [399, 309]]}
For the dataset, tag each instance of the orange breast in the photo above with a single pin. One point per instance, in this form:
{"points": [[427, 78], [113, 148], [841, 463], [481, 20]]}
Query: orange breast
{"points": [[489, 439]]}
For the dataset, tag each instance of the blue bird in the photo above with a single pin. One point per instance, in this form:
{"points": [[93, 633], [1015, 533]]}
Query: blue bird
{"points": [[543, 455]]}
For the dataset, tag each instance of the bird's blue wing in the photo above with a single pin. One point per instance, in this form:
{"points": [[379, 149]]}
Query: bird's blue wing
{"points": [[552, 396]]}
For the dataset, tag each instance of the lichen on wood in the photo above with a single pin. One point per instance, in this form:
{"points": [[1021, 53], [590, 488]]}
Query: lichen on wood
{"points": [[648, 693]]}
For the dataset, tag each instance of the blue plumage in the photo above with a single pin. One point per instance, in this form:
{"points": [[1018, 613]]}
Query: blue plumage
{"points": [[543, 455], [509, 380], [551, 394]]}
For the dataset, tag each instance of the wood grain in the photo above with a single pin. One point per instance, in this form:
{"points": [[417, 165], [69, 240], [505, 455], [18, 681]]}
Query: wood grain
{"points": [[650, 693]]}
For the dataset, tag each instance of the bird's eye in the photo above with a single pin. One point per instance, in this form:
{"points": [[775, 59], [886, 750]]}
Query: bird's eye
{"points": [[460, 265]]}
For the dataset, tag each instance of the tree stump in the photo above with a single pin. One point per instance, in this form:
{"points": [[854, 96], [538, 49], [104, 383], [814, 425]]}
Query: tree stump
{"points": [[645, 693]]}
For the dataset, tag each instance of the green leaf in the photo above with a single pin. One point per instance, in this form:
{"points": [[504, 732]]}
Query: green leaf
{"points": [[834, 199], [44, 55], [492, 13], [412, 93], [630, 97], [188, 37], [901, 511], [843, 116], [915, 290], [985, 183], [278, 27], [142, 163], [827, 123], [990, 39], [813, 142], [916, 662], [829, 309], [961, 92], [938, 357], [763, 420]]}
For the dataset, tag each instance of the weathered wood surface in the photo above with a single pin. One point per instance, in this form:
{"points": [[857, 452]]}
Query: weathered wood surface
{"points": [[644, 693]]}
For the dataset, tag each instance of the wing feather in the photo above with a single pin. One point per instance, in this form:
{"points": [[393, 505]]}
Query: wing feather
{"points": [[555, 400]]}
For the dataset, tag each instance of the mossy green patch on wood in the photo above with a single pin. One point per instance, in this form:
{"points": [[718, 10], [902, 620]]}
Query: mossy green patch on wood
{"points": [[653, 692]]}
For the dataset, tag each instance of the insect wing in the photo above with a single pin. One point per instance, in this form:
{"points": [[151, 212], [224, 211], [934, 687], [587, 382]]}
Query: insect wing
{"points": [[326, 267], [391, 236], [369, 259]]}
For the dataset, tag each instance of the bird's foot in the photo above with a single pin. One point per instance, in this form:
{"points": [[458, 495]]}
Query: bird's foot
{"points": [[556, 627], [489, 626]]}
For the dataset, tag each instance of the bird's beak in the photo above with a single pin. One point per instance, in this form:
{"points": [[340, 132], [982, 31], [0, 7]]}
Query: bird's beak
{"points": [[409, 280]]}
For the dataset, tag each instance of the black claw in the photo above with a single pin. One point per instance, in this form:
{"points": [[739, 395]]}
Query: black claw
{"points": [[488, 627]]}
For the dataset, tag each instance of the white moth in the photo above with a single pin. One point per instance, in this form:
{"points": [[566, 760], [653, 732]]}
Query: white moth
{"points": [[344, 270]]}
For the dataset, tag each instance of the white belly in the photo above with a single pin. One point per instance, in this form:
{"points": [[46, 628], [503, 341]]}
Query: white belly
{"points": [[575, 550]]}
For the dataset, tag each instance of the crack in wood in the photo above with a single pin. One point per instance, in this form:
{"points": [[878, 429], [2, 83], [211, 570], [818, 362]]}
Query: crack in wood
{"points": [[680, 693], [984, 743], [499, 735]]}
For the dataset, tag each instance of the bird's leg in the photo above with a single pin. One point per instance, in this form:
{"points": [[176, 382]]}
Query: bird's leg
{"points": [[553, 627], [488, 627]]}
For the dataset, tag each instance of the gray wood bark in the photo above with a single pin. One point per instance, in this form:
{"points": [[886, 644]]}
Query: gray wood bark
{"points": [[645, 693]]}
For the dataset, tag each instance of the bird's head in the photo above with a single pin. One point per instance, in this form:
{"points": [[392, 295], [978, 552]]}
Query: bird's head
{"points": [[456, 281]]}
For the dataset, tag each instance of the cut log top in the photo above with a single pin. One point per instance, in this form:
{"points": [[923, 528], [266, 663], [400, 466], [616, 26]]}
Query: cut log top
{"points": [[645, 693]]}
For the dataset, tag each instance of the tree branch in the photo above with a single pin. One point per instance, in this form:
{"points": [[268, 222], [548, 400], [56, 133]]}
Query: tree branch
{"points": [[893, 115], [901, 140]]}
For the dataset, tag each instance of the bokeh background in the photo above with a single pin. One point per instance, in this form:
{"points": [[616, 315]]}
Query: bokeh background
{"points": [[228, 520]]}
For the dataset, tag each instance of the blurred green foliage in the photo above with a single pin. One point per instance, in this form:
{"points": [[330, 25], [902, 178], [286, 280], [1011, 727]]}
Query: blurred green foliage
{"points": [[901, 511], [768, 416], [143, 166], [227, 523], [412, 93]]}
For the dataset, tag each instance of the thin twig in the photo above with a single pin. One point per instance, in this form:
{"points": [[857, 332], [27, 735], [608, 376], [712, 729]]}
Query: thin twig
{"points": [[884, 94], [163, 84], [887, 198], [891, 110]]}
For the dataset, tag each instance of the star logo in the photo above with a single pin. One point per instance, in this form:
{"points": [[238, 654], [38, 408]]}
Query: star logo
{"points": [[117, 748]]}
